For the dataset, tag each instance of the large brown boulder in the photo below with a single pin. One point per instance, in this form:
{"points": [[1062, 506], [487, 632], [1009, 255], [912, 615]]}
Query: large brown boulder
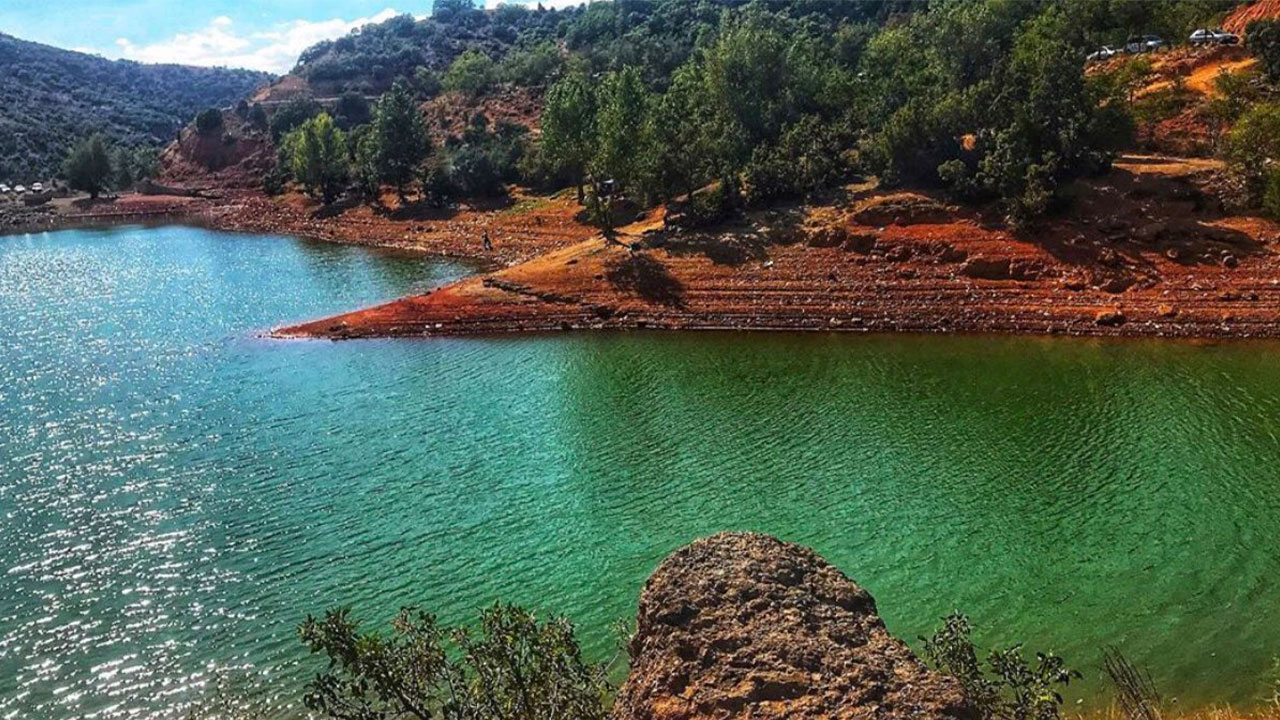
{"points": [[742, 625]]}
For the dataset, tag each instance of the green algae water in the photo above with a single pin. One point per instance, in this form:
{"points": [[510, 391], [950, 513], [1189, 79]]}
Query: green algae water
{"points": [[177, 493]]}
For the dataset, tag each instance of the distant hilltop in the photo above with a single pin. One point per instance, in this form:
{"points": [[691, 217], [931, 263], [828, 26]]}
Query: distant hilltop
{"points": [[54, 97]]}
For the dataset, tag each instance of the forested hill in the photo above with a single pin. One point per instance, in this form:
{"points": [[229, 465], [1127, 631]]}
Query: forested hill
{"points": [[51, 98]]}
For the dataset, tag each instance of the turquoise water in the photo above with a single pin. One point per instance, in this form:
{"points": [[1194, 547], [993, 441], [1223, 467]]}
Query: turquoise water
{"points": [[178, 493]]}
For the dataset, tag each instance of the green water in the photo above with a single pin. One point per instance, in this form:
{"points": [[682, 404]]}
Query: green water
{"points": [[177, 493]]}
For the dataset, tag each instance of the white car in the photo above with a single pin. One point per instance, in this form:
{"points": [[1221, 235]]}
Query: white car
{"points": [[1103, 53], [1211, 36]]}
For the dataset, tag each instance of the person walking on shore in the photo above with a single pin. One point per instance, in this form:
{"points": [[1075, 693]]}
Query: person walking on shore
{"points": [[488, 244]]}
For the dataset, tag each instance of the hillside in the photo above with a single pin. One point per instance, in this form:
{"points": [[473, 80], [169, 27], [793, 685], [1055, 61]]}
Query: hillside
{"points": [[49, 98]]}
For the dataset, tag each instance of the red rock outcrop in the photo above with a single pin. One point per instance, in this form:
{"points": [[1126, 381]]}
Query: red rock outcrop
{"points": [[742, 625]]}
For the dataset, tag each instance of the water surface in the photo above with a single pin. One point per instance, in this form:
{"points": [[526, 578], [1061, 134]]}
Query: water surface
{"points": [[177, 493]]}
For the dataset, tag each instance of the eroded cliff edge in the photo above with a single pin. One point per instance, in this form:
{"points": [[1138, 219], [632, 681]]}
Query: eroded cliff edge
{"points": [[741, 625]]}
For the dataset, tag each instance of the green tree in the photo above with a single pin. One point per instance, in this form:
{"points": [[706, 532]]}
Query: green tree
{"points": [[472, 73], [351, 110], [400, 137], [568, 127], [1252, 149], [317, 154], [677, 153], [88, 167], [292, 114], [620, 122], [1263, 37], [513, 666], [209, 121]]}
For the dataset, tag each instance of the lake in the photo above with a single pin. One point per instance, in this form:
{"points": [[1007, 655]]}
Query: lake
{"points": [[177, 492]]}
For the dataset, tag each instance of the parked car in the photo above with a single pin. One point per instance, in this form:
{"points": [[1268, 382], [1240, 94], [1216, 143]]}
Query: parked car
{"points": [[1143, 44], [1103, 53], [1214, 36]]}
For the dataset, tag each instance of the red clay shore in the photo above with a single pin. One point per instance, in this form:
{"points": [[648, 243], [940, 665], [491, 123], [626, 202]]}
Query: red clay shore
{"points": [[1145, 251]]}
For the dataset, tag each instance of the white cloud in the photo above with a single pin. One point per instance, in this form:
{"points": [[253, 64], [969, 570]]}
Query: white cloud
{"points": [[222, 43]]}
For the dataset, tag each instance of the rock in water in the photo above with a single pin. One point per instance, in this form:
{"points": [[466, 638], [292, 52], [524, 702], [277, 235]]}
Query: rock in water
{"points": [[742, 625]]}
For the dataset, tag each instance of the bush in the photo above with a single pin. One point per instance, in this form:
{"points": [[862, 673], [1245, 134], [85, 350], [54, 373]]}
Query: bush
{"points": [[805, 160], [209, 121], [1008, 688], [513, 666], [292, 114], [533, 66], [472, 73], [1252, 148], [1263, 37]]}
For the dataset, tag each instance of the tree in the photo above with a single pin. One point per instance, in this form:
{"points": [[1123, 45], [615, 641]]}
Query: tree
{"points": [[292, 114], [620, 123], [400, 137], [1263, 37], [317, 154], [677, 154], [88, 167], [209, 121], [514, 666], [351, 110], [568, 127], [472, 73]]}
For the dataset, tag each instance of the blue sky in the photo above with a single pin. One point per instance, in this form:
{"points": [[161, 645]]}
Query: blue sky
{"points": [[262, 34]]}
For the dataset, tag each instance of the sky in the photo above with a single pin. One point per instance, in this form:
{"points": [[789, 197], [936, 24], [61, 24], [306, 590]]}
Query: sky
{"points": [[258, 34]]}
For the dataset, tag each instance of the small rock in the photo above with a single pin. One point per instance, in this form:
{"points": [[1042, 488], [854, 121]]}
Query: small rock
{"points": [[1110, 318]]}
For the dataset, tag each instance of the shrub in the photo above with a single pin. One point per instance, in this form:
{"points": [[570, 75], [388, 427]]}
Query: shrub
{"points": [[472, 73], [209, 121], [532, 66], [292, 114], [1252, 148], [1263, 37], [1008, 688], [88, 167], [513, 666], [806, 159]]}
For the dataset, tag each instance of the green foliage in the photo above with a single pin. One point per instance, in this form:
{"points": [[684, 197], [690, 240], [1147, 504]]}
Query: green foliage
{"points": [[257, 117], [209, 121], [1000, 73], [479, 163], [677, 151], [51, 98], [88, 167], [1263, 37], [622, 105], [352, 109], [291, 115], [512, 666], [426, 82], [317, 157], [533, 66], [400, 137], [473, 73], [805, 159], [1007, 687], [568, 127], [131, 165], [1252, 149]]}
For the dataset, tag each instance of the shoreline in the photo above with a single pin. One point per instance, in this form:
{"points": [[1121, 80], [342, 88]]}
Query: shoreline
{"points": [[1145, 253]]}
